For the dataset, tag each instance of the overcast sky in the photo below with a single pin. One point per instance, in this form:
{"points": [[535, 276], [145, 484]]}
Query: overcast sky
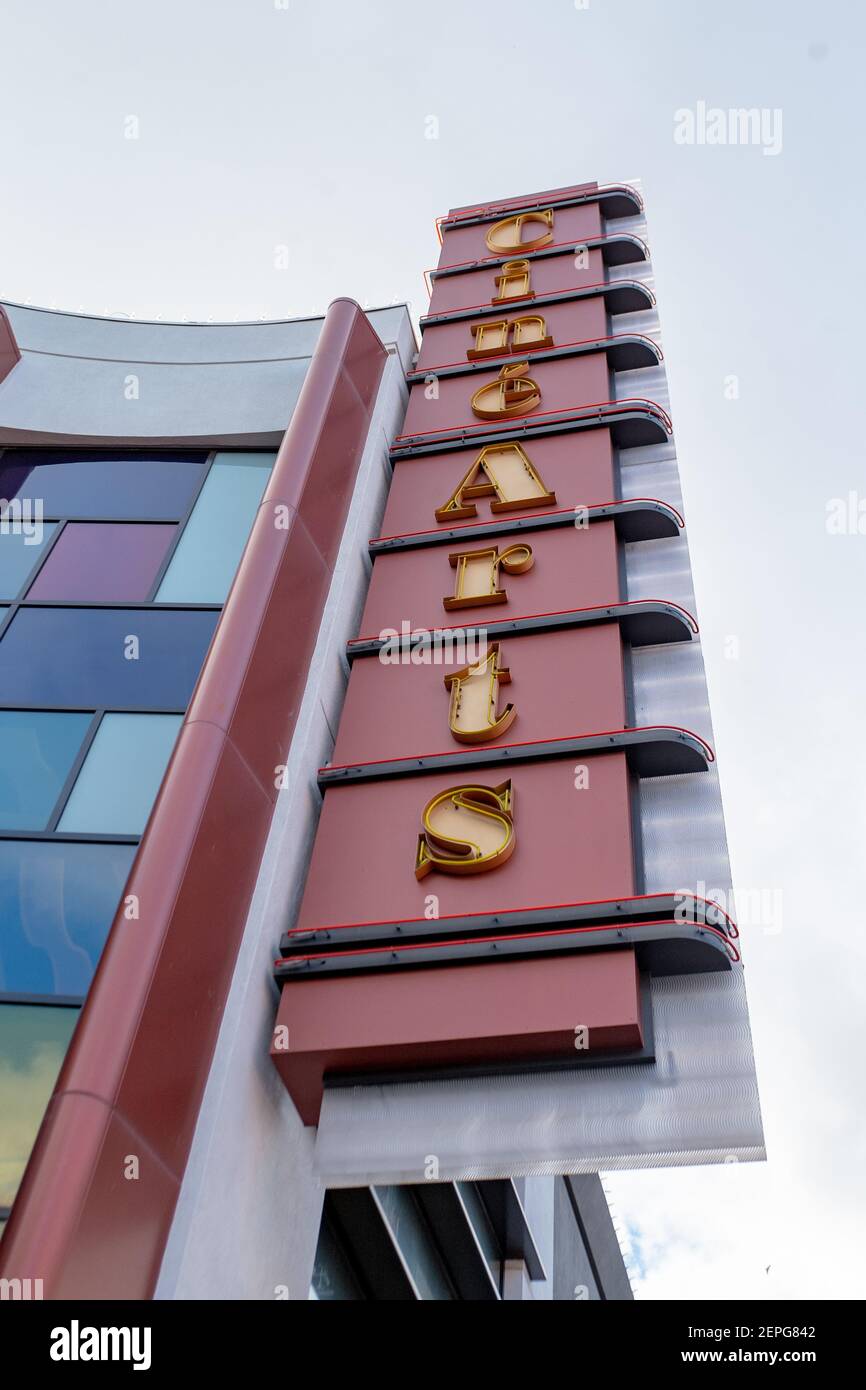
{"points": [[259, 125]]}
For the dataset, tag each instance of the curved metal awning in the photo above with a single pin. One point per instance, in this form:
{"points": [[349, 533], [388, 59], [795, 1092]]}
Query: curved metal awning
{"points": [[651, 751], [635, 519]]}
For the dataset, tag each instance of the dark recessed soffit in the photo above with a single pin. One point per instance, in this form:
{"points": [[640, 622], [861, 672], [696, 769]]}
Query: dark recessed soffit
{"points": [[662, 947], [510, 1222], [612, 912], [622, 249], [643, 622], [614, 200], [636, 519], [620, 296], [632, 423], [655, 751], [625, 352]]}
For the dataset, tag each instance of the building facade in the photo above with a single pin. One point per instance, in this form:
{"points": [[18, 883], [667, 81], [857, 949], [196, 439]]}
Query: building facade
{"points": [[382, 661]]}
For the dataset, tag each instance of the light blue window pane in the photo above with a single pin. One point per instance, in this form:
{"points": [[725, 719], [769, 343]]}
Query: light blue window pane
{"points": [[19, 553], [37, 751], [118, 783], [204, 563]]}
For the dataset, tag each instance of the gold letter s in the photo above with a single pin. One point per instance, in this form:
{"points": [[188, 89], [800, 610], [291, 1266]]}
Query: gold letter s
{"points": [[484, 813]]}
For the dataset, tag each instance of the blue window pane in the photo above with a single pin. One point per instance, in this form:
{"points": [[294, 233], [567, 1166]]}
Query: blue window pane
{"points": [[37, 750], [19, 553], [204, 563], [72, 657], [120, 778], [57, 902], [33, 1043], [121, 486]]}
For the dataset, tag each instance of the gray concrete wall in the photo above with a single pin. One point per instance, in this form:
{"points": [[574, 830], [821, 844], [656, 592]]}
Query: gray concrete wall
{"points": [[592, 1215], [89, 380], [247, 1220]]}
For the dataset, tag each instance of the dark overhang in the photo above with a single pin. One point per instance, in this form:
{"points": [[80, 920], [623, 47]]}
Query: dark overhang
{"points": [[643, 623], [625, 352], [635, 519], [614, 200], [614, 912], [662, 948], [620, 296], [654, 751], [632, 423], [442, 1204], [624, 248], [511, 1224]]}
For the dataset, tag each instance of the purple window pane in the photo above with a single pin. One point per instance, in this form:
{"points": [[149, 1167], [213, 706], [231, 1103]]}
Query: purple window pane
{"points": [[103, 562], [116, 486]]}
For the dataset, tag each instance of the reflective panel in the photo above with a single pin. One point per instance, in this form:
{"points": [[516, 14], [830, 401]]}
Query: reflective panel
{"points": [[33, 1043], [19, 554], [119, 486], [37, 750], [103, 562], [333, 1276], [120, 777], [57, 902], [415, 1242], [204, 563], [484, 1233], [119, 658]]}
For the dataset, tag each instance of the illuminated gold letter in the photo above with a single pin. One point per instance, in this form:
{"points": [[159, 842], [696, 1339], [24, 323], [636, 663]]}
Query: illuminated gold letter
{"points": [[491, 339], [478, 575], [472, 715], [529, 331], [502, 471], [483, 813], [513, 393], [507, 235], [513, 283]]}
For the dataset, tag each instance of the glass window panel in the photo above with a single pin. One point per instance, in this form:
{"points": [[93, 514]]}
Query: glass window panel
{"points": [[19, 554], [108, 562], [333, 1276], [120, 777], [86, 657], [484, 1233], [412, 1236], [204, 563], [37, 750], [119, 486], [33, 1043], [57, 902]]}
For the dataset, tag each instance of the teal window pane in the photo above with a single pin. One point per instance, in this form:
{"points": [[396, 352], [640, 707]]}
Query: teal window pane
{"points": [[120, 778], [37, 751], [19, 554], [204, 563], [33, 1043]]}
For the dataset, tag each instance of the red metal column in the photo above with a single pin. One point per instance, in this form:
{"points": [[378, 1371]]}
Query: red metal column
{"points": [[135, 1074]]}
